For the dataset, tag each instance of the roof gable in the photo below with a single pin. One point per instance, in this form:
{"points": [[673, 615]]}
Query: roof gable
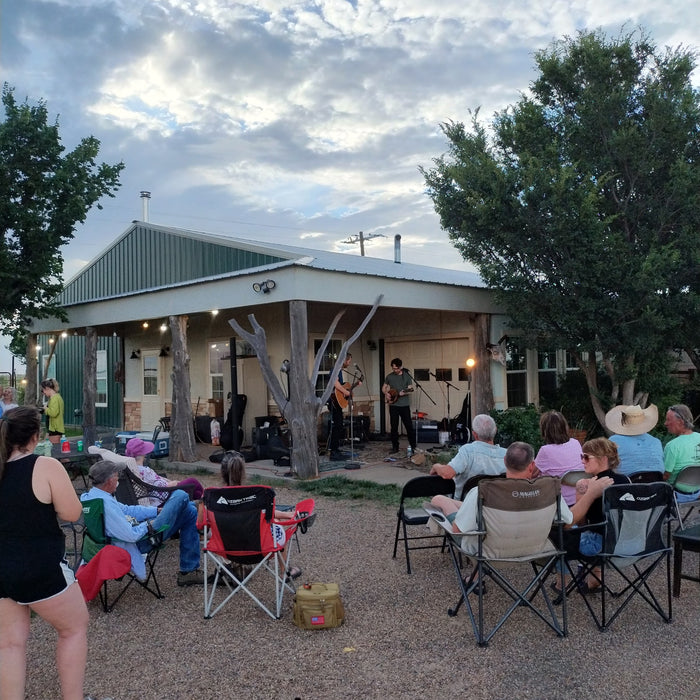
{"points": [[148, 257]]}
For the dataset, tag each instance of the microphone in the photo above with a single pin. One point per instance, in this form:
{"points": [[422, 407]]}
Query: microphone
{"points": [[432, 374], [357, 368]]}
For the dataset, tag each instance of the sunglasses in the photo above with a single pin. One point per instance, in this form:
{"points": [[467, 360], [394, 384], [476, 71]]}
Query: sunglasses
{"points": [[585, 457]]}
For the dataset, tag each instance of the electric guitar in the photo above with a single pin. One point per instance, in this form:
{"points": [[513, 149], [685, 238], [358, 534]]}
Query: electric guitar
{"points": [[343, 400], [393, 395]]}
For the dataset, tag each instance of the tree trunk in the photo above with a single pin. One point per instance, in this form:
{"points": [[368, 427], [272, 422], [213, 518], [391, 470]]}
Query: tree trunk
{"points": [[31, 393], [182, 446], [483, 390], [302, 396], [302, 407], [90, 386]]}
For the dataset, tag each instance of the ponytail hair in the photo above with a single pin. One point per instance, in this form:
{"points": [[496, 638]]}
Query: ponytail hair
{"points": [[17, 428], [232, 468]]}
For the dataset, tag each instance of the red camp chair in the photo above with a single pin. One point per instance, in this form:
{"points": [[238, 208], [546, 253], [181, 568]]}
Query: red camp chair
{"points": [[240, 530]]}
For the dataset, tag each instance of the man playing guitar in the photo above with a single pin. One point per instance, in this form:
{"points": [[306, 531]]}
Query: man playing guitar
{"points": [[396, 388], [342, 392]]}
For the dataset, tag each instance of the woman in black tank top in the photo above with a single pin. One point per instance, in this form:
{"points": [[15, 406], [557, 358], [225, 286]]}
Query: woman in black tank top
{"points": [[34, 490]]}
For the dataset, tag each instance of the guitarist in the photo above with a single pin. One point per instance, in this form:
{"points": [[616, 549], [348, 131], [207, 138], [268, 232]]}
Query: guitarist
{"points": [[337, 428], [396, 388]]}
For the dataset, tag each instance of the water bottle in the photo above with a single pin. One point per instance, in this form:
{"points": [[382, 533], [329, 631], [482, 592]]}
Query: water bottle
{"points": [[48, 448], [409, 452], [65, 445]]}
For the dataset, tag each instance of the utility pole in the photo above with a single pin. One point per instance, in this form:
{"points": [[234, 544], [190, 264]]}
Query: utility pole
{"points": [[361, 238]]}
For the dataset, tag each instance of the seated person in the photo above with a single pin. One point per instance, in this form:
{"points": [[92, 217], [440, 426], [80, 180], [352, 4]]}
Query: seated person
{"points": [[479, 457], [682, 451], [136, 450], [128, 525], [520, 464], [233, 474], [638, 451], [560, 453], [600, 459]]}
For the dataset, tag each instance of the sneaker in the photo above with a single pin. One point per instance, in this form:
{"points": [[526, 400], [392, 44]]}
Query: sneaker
{"points": [[190, 578]]}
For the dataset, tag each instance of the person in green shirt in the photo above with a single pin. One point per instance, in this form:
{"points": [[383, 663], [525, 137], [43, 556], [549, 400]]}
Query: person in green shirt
{"points": [[683, 451], [53, 409]]}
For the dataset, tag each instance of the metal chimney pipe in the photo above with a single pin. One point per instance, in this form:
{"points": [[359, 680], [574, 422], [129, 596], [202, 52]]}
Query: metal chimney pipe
{"points": [[145, 196], [397, 248]]}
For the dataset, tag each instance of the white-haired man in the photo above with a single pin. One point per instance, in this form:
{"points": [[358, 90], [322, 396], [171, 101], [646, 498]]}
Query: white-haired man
{"points": [[479, 457]]}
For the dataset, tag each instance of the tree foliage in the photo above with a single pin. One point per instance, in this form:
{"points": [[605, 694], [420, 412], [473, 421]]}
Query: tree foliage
{"points": [[44, 193], [580, 204]]}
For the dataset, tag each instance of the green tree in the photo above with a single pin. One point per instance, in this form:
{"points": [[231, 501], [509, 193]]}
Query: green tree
{"points": [[44, 193], [580, 205]]}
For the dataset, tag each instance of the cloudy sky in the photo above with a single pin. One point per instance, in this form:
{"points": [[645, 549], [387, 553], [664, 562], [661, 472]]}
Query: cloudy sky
{"points": [[288, 120]]}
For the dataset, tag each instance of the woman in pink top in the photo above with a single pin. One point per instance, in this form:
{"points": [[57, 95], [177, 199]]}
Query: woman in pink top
{"points": [[560, 453]]}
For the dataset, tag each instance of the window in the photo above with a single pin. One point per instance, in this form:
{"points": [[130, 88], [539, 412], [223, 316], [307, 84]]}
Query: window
{"points": [[150, 375], [218, 355], [101, 398], [516, 373], [422, 375], [443, 375], [547, 375], [327, 363]]}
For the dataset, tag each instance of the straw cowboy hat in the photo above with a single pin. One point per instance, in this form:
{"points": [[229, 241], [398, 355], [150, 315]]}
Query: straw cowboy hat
{"points": [[631, 420]]}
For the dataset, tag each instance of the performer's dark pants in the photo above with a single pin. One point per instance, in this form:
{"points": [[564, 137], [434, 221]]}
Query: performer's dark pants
{"points": [[404, 413], [337, 427]]}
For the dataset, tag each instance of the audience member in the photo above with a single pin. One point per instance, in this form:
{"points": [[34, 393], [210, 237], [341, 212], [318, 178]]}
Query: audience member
{"points": [[34, 492], [682, 451], [560, 452], [638, 451], [233, 474], [520, 464], [7, 403], [136, 451], [53, 409], [479, 457], [129, 525]]}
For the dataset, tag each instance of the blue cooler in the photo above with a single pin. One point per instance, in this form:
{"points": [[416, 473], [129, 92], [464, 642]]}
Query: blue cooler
{"points": [[162, 442]]}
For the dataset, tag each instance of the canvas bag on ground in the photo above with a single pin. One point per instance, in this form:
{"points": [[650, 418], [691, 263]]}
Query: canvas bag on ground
{"points": [[318, 606]]}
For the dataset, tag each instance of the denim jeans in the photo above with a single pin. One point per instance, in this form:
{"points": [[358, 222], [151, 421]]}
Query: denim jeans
{"points": [[179, 514]]}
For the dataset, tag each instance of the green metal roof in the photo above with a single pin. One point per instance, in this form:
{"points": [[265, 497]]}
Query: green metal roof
{"points": [[151, 257]]}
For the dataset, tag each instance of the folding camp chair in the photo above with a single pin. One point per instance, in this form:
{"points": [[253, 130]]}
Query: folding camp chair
{"points": [[636, 541], [239, 529], [420, 487], [133, 491], [646, 477], [514, 518], [690, 478], [95, 538]]}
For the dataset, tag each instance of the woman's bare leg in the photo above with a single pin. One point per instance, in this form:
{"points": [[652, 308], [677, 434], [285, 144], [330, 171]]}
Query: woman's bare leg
{"points": [[68, 614], [14, 633]]}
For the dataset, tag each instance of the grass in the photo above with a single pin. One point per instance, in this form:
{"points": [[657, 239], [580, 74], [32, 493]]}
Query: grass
{"points": [[341, 489]]}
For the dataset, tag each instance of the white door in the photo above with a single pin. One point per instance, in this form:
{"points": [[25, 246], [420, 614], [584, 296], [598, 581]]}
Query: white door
{"points": [[153, 388]]}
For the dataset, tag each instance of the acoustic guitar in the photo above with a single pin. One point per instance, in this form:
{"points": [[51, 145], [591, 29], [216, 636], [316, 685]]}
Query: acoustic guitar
{"points": [[393, 395], [343, 400]]}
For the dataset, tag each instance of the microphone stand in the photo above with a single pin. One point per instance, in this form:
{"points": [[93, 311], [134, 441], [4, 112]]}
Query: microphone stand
{"points": [[449, 412], [420, 389], [352, 464]]}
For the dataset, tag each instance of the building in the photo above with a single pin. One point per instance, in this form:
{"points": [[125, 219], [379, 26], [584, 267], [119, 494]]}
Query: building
{"points": [[429, 317]]}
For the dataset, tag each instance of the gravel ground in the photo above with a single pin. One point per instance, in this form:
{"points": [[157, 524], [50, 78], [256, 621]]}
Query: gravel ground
{"points": [[397, 640]]}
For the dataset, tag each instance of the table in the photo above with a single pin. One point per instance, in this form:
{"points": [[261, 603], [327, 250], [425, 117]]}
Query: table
{"points": [[77, 464], [688, 539]]}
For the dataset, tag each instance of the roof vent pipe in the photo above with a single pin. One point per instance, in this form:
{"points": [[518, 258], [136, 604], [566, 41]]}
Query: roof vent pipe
{"points": [[397, 248], [145, 196]]}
